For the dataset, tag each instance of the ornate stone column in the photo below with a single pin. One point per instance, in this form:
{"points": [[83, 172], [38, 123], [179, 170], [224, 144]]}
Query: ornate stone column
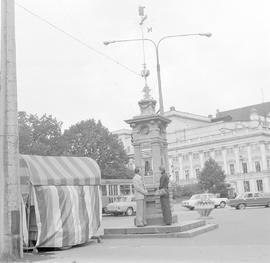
{"points": [[249, 158], [266, 185], [253, 186], [236, 154], [224, 160], [263, 156], [201, 159], [191, 166], [240, 186], [181, 171], [212, 154], [156, 155], [137, 155], [150, 146]]}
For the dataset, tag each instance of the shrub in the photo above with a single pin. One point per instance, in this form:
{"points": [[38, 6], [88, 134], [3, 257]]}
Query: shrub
{"points": [[186, 191]]}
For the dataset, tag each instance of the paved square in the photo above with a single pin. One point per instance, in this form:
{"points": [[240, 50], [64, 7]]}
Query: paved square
{"points": [[242, 236]]}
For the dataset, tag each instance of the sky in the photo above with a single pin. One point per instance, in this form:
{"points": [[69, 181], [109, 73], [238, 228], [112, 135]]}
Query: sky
{"points": [[74, 81]]}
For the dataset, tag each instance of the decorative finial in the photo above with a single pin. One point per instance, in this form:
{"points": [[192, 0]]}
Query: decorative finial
{"points": [[145, 72]]}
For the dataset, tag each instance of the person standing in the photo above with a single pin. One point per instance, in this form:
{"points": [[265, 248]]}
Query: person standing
{"points": [[165, 197], [140, 193]]}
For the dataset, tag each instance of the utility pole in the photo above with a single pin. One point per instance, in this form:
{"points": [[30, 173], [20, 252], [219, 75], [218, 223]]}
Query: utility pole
{"points": [[10, 194]]}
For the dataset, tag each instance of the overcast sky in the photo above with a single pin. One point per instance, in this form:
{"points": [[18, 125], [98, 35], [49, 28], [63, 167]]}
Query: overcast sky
{"points": [[59, 76]]}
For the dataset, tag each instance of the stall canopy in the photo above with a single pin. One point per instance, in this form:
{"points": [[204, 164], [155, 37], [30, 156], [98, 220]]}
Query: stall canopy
{"points": [[66, 196]]}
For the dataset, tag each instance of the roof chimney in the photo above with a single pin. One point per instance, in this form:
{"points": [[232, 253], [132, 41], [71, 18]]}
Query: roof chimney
{"points": [[172, 108]]}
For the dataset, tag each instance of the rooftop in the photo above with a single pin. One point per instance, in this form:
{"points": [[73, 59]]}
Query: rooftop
{"points": [[243, 114], [186, 115]]}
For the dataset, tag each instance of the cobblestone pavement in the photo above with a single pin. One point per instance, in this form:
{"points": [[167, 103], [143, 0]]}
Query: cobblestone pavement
{"points": [[242, 236]]}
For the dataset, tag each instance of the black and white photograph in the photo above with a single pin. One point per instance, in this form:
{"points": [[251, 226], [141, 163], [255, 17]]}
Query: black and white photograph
{"points": [[135, 131]]}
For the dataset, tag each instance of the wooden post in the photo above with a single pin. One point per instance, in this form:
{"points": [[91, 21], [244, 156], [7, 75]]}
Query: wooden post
{"points": [[10, 195]]}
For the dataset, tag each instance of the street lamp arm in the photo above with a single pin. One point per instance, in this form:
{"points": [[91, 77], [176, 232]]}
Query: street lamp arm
{"points": [[106, 43], [184, 35]]}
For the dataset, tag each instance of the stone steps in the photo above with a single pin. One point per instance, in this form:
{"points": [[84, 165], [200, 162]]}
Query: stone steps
{"points": [[186, 229]]}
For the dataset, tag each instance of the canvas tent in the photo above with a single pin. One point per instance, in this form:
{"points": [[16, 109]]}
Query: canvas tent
{"points": [[61, 199]]}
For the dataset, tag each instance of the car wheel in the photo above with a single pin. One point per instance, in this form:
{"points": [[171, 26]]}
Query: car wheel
{"points": [[222, 204], [268, 204], [241, 206], [129, 211], [191, 208]]}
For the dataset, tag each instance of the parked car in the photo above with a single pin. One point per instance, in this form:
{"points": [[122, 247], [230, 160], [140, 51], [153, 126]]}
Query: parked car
{"points": [[125, 206], [218, 202], [249, 199]]}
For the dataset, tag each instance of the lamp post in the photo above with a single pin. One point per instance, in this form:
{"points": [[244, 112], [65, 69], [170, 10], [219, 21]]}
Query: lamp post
{"points": [[156, 45]]}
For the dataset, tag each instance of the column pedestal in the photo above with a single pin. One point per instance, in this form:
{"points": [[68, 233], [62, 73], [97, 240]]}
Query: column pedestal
{"points": [[153, 208]]}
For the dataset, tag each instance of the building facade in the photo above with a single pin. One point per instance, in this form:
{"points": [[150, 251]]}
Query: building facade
{"points": [[238, 140], [124, 135]]}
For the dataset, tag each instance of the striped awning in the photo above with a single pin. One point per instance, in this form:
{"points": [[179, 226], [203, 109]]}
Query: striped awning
{"points": [[60, 170]]}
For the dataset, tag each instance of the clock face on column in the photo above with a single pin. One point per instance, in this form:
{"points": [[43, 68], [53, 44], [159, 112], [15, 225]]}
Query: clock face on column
{"points": [[144, 130]]}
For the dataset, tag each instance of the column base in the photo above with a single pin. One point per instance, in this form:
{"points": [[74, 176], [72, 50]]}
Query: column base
{"points": [[158, 220], [153, 210]]}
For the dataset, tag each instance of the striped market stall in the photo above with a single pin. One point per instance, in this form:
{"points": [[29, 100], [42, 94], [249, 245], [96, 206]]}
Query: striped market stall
{"points": [[61, 200]]}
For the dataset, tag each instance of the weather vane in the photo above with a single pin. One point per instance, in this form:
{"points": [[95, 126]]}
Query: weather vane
{"points": [[145, 72]]}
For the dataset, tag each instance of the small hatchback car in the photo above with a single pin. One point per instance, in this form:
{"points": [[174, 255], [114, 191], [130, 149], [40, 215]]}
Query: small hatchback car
{"points": [[125, 206]]}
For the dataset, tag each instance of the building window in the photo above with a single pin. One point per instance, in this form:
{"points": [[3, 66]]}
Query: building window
{"points": [[195, 156], [187, 174], [244, 167], [104, 190], [175, 159], [113, 190], [206, 155], [185, 157], [257, 166], [125, 189], [267, 147], [175, 162], [246, 186], [268, 164], [197, 172], [177, 177], [255, 147], [128, 149], [218, 153], [242, 149], [260, 185], [230, 151], [232, 170]]}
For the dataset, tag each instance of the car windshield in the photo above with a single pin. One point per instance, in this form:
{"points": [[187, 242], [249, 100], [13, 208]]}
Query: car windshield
{"points": [[240, 196], [122, 199], [195, 197], [126, 199]]}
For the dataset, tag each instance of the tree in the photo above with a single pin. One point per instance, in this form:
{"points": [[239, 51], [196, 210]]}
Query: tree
{"points": [[39, 135], [92, 139], [212, 178]]}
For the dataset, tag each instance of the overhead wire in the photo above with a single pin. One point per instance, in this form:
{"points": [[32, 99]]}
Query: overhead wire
{"points": [[77, 39]]}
